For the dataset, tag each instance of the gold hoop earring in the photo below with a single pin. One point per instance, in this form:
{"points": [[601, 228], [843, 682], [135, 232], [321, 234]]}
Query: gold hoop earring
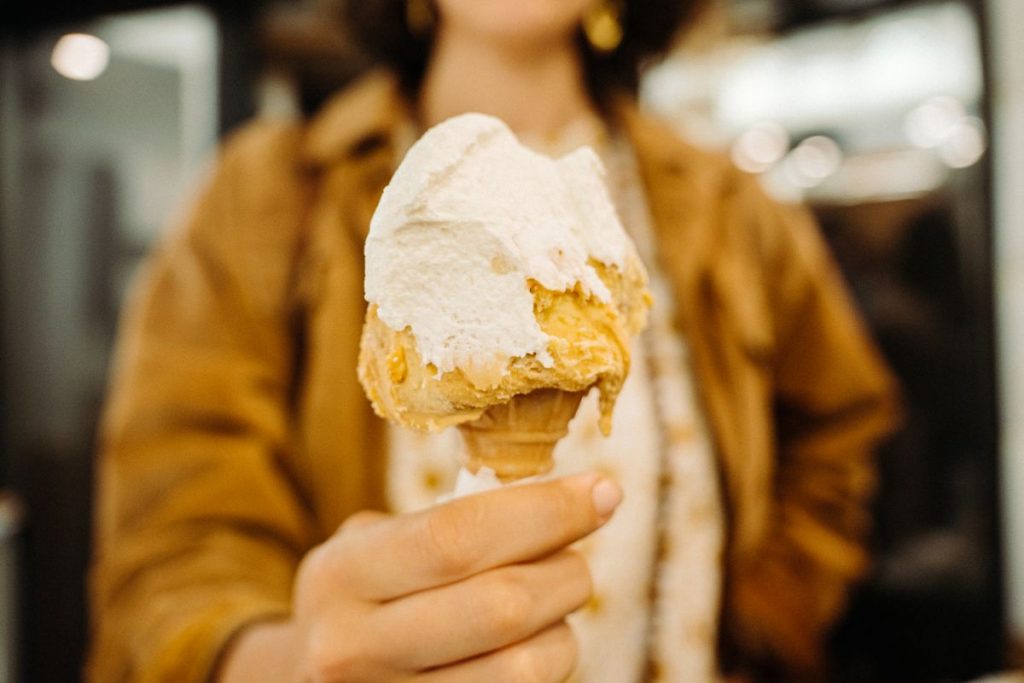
{"points": [[602, 25], [420, 17]]}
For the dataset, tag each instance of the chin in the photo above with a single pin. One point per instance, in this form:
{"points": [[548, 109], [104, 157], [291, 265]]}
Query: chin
{"points": [[519, 20]]}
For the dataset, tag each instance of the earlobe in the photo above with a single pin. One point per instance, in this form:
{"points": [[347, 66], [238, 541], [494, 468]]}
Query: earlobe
{"points": [[602, 25]]}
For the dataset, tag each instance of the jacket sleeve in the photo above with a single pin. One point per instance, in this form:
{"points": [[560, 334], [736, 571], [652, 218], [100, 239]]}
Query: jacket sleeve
{"points": [[198, 528], [834, 400]]}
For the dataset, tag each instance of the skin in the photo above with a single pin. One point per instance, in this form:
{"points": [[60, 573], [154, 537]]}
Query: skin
{"points": [[525, 53], [476, 589], [519, 25]]}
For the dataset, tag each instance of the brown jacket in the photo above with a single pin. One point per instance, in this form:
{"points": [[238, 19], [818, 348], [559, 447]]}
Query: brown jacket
{"points": [[237, 437]]}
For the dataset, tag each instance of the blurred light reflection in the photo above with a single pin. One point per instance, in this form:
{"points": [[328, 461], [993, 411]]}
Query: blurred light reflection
{"points": [[929, 124], [816, 158], [80, 56], [965, 144], [761, 146]]}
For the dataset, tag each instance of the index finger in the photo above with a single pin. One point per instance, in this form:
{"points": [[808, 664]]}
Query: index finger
{"points": [[470, 535]]}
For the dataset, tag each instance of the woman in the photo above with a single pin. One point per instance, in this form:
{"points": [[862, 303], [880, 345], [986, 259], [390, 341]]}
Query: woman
{"points": [[237, 439]]}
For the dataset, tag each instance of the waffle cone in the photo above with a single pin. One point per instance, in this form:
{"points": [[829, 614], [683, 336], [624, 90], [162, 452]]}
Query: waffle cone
{"points": [[517, 439]]}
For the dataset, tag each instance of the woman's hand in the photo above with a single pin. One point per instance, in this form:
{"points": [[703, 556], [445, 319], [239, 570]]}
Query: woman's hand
{"points": [[476, 589]]}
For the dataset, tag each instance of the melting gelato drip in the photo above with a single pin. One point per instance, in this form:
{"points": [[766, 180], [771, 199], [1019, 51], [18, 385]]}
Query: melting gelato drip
{"points": [[492, 272]]}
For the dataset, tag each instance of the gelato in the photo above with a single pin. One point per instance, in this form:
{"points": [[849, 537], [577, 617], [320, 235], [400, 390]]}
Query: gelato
{"points": [[501, 288]]}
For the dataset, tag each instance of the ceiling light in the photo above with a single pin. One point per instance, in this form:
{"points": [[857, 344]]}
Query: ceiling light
{"points": [[80, 57]]}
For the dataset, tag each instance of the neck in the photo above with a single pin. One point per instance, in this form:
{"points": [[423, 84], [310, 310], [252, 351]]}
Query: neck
{"points": [[536, 89]]}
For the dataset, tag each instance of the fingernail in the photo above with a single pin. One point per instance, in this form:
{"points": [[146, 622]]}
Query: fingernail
{"points": [[606, 495]]}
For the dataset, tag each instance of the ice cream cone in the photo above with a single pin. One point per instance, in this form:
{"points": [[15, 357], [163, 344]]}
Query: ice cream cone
{"points": [[517, 439]]}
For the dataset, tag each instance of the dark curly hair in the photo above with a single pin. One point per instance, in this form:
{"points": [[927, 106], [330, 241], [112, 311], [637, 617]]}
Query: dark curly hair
{"points": [[649, 26]]}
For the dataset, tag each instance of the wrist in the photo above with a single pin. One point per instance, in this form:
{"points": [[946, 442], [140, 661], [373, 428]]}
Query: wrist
{"points": [[263, 651]]}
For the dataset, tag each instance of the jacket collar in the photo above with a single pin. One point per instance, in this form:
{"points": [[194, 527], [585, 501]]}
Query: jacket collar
{"points": [[368, 110]]}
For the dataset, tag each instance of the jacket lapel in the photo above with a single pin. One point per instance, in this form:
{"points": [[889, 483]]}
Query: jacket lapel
{"points": [[348, 145]]}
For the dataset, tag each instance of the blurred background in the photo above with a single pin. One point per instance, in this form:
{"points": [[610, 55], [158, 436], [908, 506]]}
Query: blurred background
{"points": [[900, 123]]}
